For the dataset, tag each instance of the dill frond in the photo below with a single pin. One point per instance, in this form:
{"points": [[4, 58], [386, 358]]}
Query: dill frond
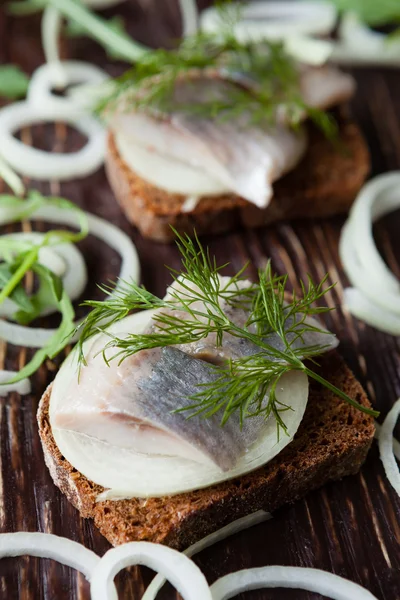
{"points": [[196, 307]]}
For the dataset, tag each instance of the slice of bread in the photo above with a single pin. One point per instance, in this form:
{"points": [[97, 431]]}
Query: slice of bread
{"points": [[325, 183], [332, 441]]}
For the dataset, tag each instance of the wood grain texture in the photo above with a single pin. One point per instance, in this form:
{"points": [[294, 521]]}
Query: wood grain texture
{"points": [[351, 528]]}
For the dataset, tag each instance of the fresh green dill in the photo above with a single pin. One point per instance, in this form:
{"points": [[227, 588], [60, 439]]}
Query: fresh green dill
{"points": [[196, 307], [264, 81]]}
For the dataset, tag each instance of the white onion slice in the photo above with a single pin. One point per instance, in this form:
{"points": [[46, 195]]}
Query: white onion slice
{"points": [[190, 15], [312, 580], [105, 231], [22, 387], [396, 443], [276, 20], [175, 566], [11, 178], [239, 525], [74, 72], [51, 29], [386, 447], [361, 307], [375, 296], [39, 164], [47, 545], [64, 260], [360, 45]]}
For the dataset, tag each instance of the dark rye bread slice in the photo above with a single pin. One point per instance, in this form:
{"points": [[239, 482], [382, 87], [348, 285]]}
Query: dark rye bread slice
{"points": [[332, 441], [325, 183]]}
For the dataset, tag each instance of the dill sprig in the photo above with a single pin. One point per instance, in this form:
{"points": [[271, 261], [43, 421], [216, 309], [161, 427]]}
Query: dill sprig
{"points": [[265, 81], [196, 307]]}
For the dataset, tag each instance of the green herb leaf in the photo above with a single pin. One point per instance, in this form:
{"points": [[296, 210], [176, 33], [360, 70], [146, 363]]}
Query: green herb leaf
{"points": [[13, 82], [73, 29], [56, 343], [19, 295], [22, 256], [106, 33]]}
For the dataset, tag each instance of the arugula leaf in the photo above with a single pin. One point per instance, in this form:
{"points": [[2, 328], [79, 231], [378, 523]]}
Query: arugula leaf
{"points": [[19, 295], [13, 82], [48, 295], [59, 339]]}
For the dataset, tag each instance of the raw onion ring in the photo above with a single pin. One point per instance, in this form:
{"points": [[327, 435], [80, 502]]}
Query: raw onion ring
{"points": [[190, 15], [360, 45], [22, 387], [312, 580], [74, 72], [39, 164], [47, 545], [276, 20], [175, 566], [375, 295], [386, 447], [11, 178], [396, 443], [223, 533], [51, 28], [110, 234], [65, 260]]}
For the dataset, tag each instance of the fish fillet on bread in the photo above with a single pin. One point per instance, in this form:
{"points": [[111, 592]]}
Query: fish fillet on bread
{"points": [[117, 449], [212, 175]]}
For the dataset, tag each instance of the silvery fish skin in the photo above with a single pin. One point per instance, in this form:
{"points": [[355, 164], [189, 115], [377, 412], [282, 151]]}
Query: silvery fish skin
{"points": [[244, 158], [132, 406]]}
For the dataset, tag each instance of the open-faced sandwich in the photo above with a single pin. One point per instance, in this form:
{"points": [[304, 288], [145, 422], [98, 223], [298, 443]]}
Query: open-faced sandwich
{"points": [[220, 399], [220, 132]]}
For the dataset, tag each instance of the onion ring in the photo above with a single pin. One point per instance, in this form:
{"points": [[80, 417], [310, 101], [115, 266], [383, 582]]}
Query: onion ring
{"points": [[375, 294], [386, 447], [223, 533], [360, 45], [47, 165], [190, 15], [175, 566], [64, 260], [22, 387], [396, 443], [11, 178], [312, 580], [74, 72], [276, 20], [47, 545], [51, 28], [110, 234]]}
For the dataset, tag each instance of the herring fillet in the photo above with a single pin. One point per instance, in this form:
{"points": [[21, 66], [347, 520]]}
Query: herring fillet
{"points": [[135, 403], [132, 404], [244, 158], [247, 159]]}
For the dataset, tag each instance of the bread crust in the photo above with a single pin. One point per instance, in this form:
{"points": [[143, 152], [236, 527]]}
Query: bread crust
{"points": [[332, 441], [324, 184]]}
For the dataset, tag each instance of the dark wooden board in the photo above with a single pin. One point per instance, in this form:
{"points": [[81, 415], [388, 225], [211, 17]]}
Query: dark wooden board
{"points": [[352, 527]]}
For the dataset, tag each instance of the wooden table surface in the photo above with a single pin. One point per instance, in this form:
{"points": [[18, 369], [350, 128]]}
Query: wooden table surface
{"points": [[351, 527]]}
